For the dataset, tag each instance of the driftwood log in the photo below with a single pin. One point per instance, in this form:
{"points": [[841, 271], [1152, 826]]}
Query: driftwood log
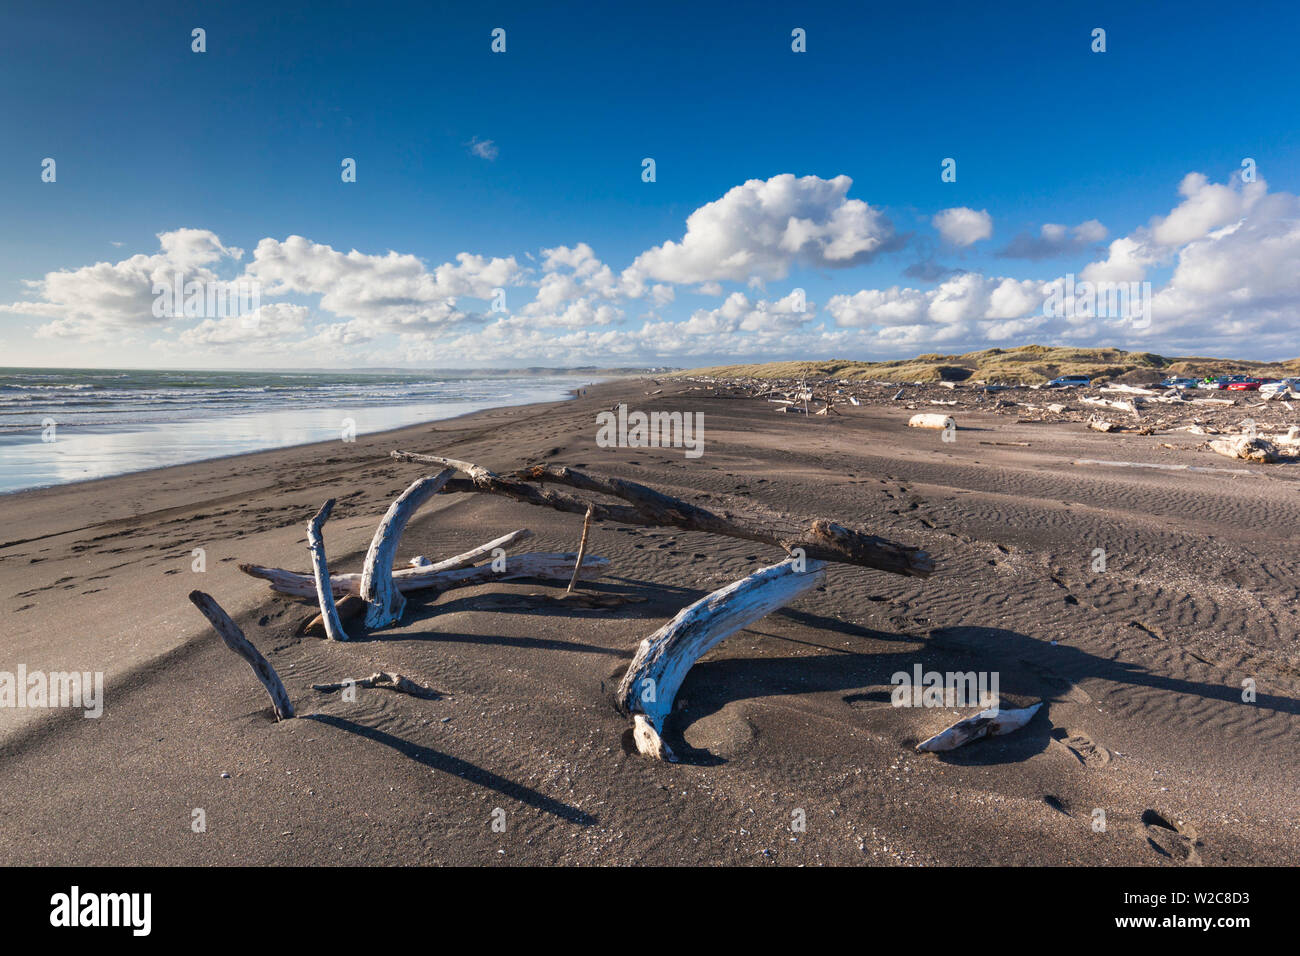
{"points": [[547, 565], [235, 640], [384, 681], [656, 673], [987, 723], [377, 587], [819, 538], [321, 573]]}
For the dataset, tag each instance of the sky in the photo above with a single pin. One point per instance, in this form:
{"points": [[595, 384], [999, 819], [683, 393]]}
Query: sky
{"points": [[923, 177]]}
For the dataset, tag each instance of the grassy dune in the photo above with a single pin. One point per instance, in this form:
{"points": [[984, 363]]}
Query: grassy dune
{"points": [[1028, 364]]}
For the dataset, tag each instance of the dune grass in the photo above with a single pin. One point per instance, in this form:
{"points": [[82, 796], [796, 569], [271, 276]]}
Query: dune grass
{"points": [[1027, 364]]}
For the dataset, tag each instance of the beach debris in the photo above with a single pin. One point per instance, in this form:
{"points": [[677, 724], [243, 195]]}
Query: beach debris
{"points": [[419, 561], [656, 673], [819, 538], [931, 420], [234, 638], [1163, 467], [348, 607], [320, 571], [582, 550], [993, 722], [547, 565], [1099, 425], [382, 680], [1247, 447], [377, 587]]}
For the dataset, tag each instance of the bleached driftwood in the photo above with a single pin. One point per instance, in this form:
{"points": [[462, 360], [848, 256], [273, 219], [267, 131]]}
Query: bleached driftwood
{"points": [[557, 566], [321, 574], [987, 723], [582, 552], [377, 588], [1247, 448], [819, 538], [1116, 404], [663, 659], [930, 420], [382, 680], [234, 638]]}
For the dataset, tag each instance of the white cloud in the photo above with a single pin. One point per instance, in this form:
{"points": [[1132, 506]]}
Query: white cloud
{"points": [[962, 226], [764, 227], [483, 148]]}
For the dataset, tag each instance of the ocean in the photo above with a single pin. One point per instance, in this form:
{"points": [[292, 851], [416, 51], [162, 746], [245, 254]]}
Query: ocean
{"points": [[62, 425]]}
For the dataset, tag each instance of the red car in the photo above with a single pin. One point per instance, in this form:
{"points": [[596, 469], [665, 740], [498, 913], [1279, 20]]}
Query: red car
{"points": [[1246, 385]]}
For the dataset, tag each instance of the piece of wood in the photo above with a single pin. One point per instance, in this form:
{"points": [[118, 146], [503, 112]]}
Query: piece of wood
{"points": [[377, 586], [382, 680], [321, 573], [582, 550], [931, 420], [663, 659], [987, 723], [234, 638], [820, 539], [1247, 448], [550, 566]]}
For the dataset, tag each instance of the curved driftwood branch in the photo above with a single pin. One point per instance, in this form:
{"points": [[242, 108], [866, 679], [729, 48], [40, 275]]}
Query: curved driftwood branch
{"points": [[377, 588], [819, 538], [237, 642], [321, 572], [655, 674], [547, 565], [987, 723]]}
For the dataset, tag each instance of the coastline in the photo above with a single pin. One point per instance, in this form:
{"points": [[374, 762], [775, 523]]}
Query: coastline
{"points": [[1143, 722]]}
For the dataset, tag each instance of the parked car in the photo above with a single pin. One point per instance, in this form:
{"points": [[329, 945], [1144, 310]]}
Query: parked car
{"points": [[1178, 383], [1244, 385], [1281, 385], [1069, 381], [1219, 382]]}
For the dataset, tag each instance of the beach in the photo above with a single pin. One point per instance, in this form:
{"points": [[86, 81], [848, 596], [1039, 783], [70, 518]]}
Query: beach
{"points": [[1144, 752]]}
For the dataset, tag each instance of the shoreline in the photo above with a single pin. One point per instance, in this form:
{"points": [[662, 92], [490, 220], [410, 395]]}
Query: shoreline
{"points": [[792, 712], [571, 393]]}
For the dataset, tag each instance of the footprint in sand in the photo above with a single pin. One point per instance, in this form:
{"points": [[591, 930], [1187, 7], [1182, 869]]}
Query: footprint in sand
{"points": [[1086, 750], [1172, 839]]}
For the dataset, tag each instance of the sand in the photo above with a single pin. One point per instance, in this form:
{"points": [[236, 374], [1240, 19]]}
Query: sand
{"points": [[1141, 666]]}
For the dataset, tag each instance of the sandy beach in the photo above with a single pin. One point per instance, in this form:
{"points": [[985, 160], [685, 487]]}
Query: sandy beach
{"points": [[1141, 666]]}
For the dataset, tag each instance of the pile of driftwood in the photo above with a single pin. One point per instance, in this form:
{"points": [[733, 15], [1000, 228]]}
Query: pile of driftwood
{"points": [[648, 688]]}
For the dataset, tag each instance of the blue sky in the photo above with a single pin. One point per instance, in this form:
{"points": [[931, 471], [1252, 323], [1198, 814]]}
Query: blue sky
{"points": [[242, 144]]}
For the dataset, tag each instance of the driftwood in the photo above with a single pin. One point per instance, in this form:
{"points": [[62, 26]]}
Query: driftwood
{"points": [[582, 552], [382, 680], [548, 565], [819, 538], [321, 572], [931, 420], [235, 640], [377, 587], [647, 690], [987, 723]]}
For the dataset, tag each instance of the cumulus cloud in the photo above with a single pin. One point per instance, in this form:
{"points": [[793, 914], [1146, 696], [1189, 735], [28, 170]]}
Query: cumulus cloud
{"points": [[391, 292], [107, 299], [961, 226], [1228, 252], [1054, 240], [764, 227]]}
